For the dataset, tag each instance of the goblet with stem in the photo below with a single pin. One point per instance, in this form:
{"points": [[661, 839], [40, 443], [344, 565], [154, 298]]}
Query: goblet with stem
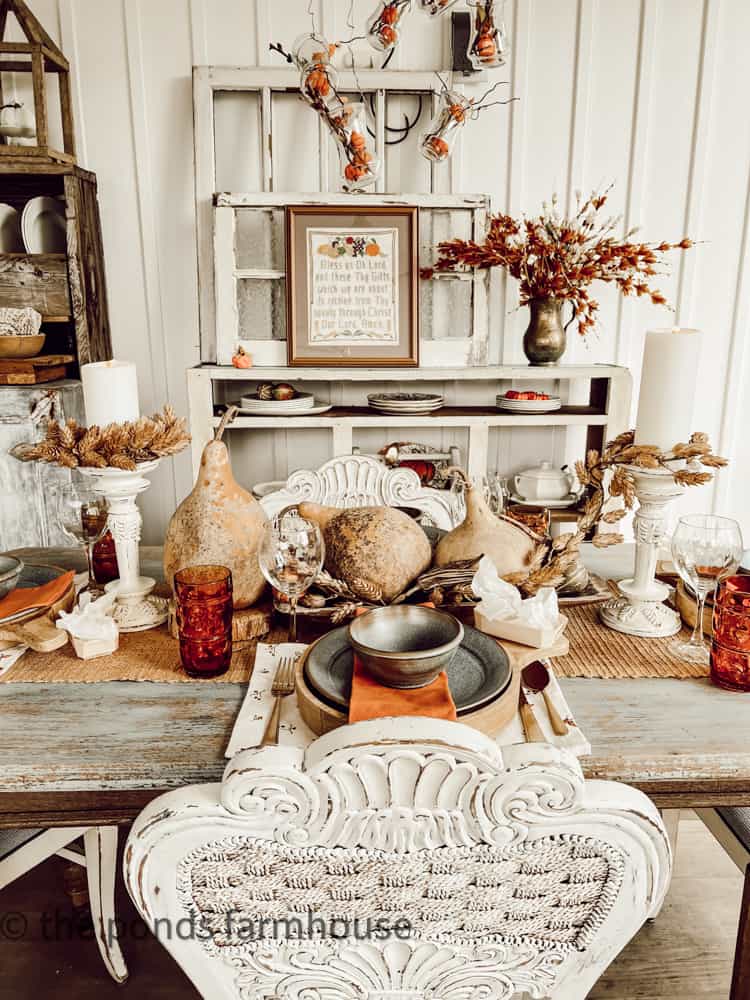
{"points": [[83, 516], [291, 555], [705, 548]]}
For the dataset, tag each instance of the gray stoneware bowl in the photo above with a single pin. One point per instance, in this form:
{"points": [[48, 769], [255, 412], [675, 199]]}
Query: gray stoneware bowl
{"points": [[405, 646], [10, 573]]}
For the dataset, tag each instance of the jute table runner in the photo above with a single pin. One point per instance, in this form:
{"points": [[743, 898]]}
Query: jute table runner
{"points": [[598, 651], [595, 651]]}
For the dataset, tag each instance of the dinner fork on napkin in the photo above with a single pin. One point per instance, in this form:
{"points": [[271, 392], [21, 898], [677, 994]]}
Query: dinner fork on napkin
{"points": [[253, 716]]}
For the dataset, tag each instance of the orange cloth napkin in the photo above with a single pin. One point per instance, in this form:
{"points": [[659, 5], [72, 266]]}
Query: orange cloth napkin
{"points": [[35, 597], [372, 700]]}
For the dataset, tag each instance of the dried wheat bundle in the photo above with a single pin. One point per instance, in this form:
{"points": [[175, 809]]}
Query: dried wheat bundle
{"points": [[116, 446]]}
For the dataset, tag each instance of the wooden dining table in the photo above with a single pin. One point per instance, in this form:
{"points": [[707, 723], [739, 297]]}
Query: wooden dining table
{"points": [[96, 753]]}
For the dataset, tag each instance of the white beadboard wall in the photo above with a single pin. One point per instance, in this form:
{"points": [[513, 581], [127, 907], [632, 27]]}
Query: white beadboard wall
{"points": [[649, 93]]}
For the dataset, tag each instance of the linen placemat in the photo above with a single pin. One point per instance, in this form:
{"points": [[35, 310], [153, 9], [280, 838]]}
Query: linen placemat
{"points": [[598, 651], [250, 725]]}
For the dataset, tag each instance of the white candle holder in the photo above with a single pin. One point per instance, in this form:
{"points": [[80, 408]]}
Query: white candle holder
{"points": [[641, 610], [136, 608]]}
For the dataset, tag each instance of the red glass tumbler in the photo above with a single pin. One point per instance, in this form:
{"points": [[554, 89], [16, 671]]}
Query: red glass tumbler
{"points": [[204, 619], [730, 642]]}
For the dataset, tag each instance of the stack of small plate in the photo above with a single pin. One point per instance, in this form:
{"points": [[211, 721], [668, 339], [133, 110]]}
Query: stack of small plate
{"points": [[303, 404], [528, 405], [405, 403]]}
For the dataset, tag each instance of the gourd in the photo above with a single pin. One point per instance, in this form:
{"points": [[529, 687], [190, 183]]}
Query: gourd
{"points": [[376, 551], [218, 523], [509, 544]]}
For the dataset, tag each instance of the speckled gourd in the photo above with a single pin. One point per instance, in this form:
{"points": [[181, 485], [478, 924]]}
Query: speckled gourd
{"points": [[218, 523], [377, 551], [510, 545]]}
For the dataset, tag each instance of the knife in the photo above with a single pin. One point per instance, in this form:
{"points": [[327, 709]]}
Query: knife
{"points": [[531, 727]]}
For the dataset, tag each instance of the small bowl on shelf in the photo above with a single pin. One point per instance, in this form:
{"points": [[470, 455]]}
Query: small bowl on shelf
{"points": [[405, 645], [21, 347], [10, 573]]}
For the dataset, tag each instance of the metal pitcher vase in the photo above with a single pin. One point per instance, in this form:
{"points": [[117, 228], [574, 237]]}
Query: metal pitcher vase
{"points": [[544, 340]]}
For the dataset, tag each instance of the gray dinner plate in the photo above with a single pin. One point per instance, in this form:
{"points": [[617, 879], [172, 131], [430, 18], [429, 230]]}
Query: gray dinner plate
{"points": [[478, 673], [35, 576]]}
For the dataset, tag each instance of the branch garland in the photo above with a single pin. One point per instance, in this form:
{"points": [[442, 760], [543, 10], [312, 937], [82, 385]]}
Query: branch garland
{"points": [[554, 559], [116, 446]]}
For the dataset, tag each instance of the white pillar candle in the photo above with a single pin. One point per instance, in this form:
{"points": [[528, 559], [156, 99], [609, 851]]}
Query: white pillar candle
{"points": [[110, 392], [668, 384]]}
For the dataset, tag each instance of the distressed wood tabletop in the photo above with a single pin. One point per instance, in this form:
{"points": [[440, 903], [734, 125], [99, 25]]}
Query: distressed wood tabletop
{"points": [[72, 753]]}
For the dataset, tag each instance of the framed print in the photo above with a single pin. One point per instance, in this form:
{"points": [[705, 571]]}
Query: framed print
{"points": [[352, 285]]}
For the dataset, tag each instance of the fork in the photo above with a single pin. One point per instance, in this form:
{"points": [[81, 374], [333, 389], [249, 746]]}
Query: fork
{"points": [[283, 685]]}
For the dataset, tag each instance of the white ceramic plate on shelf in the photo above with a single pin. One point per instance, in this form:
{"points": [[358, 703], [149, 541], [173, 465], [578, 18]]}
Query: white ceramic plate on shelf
{"points": [[397, 411], [528, 405], [270, 410], [43, 226], [569, 501], [301, 402], [11, 240]]}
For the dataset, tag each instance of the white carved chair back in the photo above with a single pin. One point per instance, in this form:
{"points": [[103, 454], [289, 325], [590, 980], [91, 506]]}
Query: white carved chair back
{"points": [[361, 481], [513, 874]]}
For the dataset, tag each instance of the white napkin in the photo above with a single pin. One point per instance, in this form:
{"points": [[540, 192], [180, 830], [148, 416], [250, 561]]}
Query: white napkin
{"points": [[574, 740], [256, 709], [502, 601], [92, 619]]}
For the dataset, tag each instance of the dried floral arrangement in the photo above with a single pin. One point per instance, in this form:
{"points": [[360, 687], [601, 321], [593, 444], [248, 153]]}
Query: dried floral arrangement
{"points": [[558, 256], [116, 446], [555, 558]]}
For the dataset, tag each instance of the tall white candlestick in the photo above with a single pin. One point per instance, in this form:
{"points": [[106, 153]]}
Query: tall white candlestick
{"points": [[668, 385], [110, 392]]}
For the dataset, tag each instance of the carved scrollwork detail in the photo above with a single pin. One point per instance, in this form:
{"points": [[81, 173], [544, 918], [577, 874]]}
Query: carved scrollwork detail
{"points": [[360, 481], [398, 971], [400, 799]]}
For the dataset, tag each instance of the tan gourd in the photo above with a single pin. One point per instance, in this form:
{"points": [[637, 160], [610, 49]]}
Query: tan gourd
{"points": [[377, 551], [509, 544], [218, 523]]}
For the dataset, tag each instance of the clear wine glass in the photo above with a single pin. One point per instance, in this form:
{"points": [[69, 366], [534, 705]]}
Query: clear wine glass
{"points": [[83, 515], [291, 555], [705, 548]]}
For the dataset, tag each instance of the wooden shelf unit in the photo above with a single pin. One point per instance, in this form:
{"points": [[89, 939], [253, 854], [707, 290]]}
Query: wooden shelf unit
{"points": [[68, 289], [597, 398]]}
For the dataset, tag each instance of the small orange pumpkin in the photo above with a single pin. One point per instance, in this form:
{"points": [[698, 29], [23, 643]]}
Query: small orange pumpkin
{"points": [[372, 249], [242, 359]]}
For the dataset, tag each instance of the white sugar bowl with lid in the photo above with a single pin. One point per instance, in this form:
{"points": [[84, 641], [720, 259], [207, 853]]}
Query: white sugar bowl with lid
{"points": [[544, 482]]}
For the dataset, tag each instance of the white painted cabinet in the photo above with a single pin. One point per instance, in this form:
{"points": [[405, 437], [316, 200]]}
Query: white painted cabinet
{"points": [[26, 513]]}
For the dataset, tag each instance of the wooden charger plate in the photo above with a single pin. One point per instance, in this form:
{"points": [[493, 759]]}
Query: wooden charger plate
{"points": [[489, 719], [37, 628]]}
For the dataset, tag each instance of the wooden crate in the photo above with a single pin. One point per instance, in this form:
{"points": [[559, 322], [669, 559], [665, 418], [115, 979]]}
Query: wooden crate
{"points": [[68, 289], [36, 280]]}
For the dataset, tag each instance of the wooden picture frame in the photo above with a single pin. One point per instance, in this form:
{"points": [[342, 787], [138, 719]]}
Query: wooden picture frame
{"points": [[352, 285]]}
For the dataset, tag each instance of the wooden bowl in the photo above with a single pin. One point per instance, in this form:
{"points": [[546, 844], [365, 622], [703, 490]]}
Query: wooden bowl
{"points": [[21, 347]]}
